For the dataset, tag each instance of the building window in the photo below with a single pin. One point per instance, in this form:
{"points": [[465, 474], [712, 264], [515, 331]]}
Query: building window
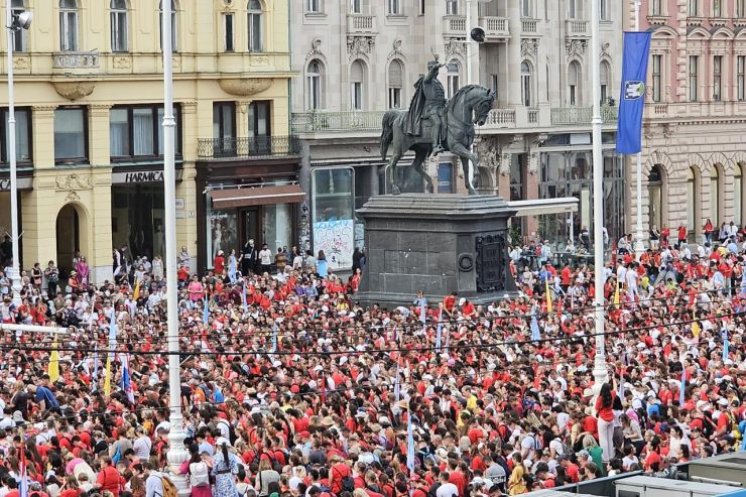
{"points": [[693, 62], [738, 194], [68, 25], [526, 93], [228, 24], [605, 81], [70, 135], [526, 10], [23, 135], [516, 176], [656, 7], [494, 83], [421, 9], [314, 85], [655, 196], [357, 85], [454, 77], [255, 26], [445, 178], [605, 10], [20, 36], [224, 128], [693, 8], [714, 195], [717, 8], [692, 193], [740, 9], [119, 26], [741, 77], [333, 214], [573, 78], [396, 79], [394, 7], [174, 25], [136, 132], [572, 9], [260, 129], [452, 7], [656, 73], [356, 6], [313, 7], [717, 77]]}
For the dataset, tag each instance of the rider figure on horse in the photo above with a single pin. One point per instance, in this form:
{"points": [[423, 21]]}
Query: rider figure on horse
{"points": [[428, 102]]}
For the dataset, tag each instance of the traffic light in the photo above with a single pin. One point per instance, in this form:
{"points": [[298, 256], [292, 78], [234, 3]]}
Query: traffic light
{"points": [[477, 34]]}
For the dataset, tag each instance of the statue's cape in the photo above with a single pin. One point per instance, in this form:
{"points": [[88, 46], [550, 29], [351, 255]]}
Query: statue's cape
{"points": [[413, 122]]}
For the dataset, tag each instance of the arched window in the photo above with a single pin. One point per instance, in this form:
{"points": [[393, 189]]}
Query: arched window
{"points": [[396, 83], [20, 36], [573, 80], [526, 82], [715, 195], [314, 85], [68, 25], [357, 85], [119, 26], [605, 82], [454, 77], [692, 192], [655, 197], [738, 195], [256, 30], [174, 25]]}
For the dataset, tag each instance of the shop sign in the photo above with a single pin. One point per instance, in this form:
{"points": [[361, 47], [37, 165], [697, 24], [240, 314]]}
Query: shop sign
{"points": [[144, 177], [23, 184]]}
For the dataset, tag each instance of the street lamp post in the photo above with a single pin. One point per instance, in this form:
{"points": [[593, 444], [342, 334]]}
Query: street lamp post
{"points": [[639, 237], [14, 23], [600, 372], [177, 453]]}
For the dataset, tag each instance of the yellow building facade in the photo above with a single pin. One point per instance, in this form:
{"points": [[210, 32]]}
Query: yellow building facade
{"points": [[88, 96]]}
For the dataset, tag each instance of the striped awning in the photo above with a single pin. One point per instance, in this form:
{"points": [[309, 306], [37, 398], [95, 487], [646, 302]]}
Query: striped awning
{"points": [[263, 195]]}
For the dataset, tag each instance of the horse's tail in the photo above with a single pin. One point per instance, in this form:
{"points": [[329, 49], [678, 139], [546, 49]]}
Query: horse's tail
{"points": [[387, 131]]}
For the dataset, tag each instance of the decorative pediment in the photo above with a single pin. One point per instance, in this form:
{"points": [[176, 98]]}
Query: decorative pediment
{"points": [[74, 90], [245, 87], [360, 45]]}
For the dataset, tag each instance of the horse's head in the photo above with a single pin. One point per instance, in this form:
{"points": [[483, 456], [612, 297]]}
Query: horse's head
{"points": [[483, 106]]}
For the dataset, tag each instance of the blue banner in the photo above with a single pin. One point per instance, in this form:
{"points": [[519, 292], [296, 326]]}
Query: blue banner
{"points": [[632, 98]]}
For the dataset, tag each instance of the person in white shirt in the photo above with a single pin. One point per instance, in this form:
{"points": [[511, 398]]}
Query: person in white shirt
{"points": [[153, 481], [265, 258], [446, 488]]}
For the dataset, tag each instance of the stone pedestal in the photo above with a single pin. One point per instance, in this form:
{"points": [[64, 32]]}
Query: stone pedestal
{"points": [[438, 244]]}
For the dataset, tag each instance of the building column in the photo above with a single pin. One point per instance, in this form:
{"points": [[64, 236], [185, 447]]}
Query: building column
{"points": [[513, 60], [100, 260], [186, 189], [43, 135], [99, 151]]}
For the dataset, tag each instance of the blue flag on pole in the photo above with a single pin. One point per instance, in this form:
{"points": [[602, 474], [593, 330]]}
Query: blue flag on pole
{"points": [[682, 390], [410, 443], [726, 345], [632, 98], [206, 311], [535, 333], [439, 332]]}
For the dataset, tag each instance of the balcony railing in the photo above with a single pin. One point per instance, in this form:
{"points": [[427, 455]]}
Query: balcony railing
{"points": [[529, 25], [75, 60], [361, 23], [501, 118], [582, 115], [454, 25], [254, 147], [321, 121], [495, 27], [577, 29]]}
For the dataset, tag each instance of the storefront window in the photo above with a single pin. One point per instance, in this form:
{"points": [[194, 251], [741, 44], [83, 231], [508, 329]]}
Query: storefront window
{"points": [[333, 215], [278, 224], [137, 218], [221, 231]]}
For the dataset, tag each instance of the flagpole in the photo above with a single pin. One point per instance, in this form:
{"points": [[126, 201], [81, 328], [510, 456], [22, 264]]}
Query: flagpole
{"points": [[177, 453], [600, 372], [639, 243]]}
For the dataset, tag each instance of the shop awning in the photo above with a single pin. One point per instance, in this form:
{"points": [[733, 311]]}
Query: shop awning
{"points": [[544, 206], [263, 195]]}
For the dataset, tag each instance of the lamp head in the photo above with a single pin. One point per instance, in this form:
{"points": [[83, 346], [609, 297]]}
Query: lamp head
{"points": [[478, 34], [21, 21]]}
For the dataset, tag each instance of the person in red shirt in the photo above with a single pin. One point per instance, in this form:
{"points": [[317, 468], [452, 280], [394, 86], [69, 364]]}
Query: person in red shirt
{"points": [[682, 234], [605, 413], [109, 478]]}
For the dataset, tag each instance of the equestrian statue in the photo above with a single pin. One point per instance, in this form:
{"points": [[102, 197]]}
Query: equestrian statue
{"points": [[434, 124]]}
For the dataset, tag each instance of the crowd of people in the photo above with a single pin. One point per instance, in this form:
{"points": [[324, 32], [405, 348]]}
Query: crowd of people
{"points": [[289, 388]]}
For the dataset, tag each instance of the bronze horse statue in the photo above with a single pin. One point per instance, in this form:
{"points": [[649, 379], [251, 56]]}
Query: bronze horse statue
{"points": [[469, 106]]}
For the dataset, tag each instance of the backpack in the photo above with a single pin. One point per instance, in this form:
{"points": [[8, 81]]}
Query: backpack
{"points": [[169, 489], [198, 474], [348, 484]]}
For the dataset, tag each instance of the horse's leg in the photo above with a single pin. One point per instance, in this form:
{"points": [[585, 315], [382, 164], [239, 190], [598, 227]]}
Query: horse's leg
{"points": [[393, 173], [466, 156], [419, 160]]}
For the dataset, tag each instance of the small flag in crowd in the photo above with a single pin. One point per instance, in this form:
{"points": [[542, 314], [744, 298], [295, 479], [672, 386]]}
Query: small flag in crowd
{"points": [[617, 299], [54, 364], [244, 304], [136, 293], [410, 442], [423, 309], [113, 330], [23, 471], [274, 338], [535, 333], [126, 379], [206, 311], [94, 380], [397, 386], [107, 377], [682, 388], [439, 331], [548, 295], [726, 345]]}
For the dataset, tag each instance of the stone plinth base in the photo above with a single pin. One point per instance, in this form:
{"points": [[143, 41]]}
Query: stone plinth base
{"points": [[438, 244]]}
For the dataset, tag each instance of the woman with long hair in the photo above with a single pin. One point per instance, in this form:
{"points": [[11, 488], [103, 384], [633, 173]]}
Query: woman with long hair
{"points": [[605, 416], [225, 466], [197, 469]]}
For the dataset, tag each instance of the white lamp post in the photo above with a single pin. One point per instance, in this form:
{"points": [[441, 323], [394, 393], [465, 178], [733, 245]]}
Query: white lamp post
{"points": [[639, 236], [14, 23], [600, 372], [177, 453]]}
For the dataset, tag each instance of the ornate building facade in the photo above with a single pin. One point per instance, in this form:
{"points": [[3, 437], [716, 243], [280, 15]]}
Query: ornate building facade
{"points": [[693, 153], [358, 58], [89, 96]]}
